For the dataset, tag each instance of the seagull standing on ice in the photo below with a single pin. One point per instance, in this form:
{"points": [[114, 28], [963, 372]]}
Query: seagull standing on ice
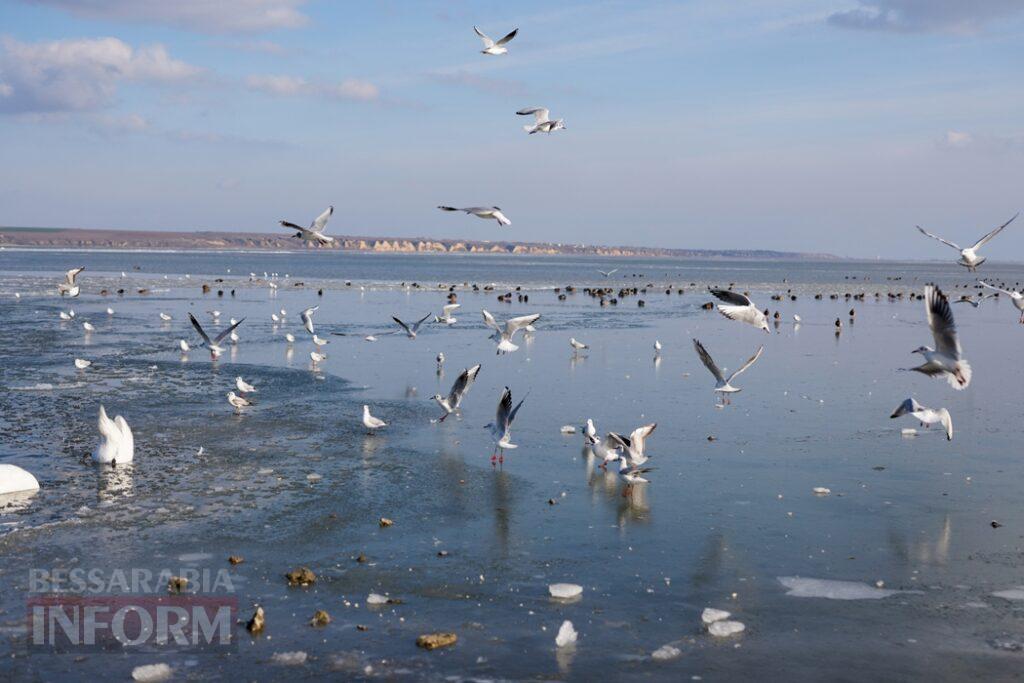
{"points": [[307, 318], [657, 346], [926, 416], [541, 124], [411, 330], [315, 231], [495, 48], [183, 345], [723, 384], [446, 315], [631, 475], [372, 423], [460, 387], [69, 287], [740, 307], [635, 444], [214, 345], [969, 257], [590, 433], [485, 212], [946, 358], [244, 386], [501, 428], [1016, 297], [237, 401], [607, 449], [505, 335], [577, 346]]}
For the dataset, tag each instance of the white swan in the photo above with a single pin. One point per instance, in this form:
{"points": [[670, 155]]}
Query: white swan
{"points": [[117, 444], [14, 479]]}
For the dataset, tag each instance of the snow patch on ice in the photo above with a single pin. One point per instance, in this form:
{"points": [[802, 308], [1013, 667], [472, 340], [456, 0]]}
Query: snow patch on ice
{"points": [[834, 590]]}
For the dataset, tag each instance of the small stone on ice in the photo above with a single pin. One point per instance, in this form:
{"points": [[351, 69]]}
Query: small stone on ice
{"points": [[723, 629], [565, 591], [151, 673], [710, 615], [665, 653], [566, 635]]}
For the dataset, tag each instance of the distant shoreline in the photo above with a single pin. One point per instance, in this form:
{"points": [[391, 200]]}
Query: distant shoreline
{"points": [[156, 241]]}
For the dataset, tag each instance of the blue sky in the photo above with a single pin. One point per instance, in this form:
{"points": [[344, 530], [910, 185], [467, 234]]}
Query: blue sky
{"points": [[812, 125]]}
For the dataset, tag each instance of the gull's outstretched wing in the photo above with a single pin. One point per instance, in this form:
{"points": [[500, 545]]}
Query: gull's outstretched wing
{"points": [[292, 226], [998, 289], [490, 321], [447, 310], [321, 221], [462, 384], [540, 113], [69, 277], [708, 361], [730, 297], [751, 361], [484, 37], [936, 237], [908, 406], [403, 325], [639, 436], [516, 324], [199, 329], [226, 332], [984, 240], [940, 319], [509, 37], [416, 325]]}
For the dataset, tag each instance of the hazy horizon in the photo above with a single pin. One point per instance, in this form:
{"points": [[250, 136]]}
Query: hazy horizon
{"points": [[821, 126]]}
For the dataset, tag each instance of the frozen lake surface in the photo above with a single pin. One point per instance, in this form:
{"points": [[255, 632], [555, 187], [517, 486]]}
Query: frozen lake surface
{"points": [[897, 572]]}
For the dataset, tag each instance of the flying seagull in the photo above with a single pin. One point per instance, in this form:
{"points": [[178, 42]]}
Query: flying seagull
{"points": [[372, 423], [723, 384], [926, 416], [446, 315], [946, 358], [495, 48], [69, 287], [213, 346], [608, 273], [541, 124], [462, 384], [969, 257], [635, 444], [501, 428], [1016, 297], [740, 307], [315, 231], [411, 330], [504, 335], [307, 318], [485, 212]]}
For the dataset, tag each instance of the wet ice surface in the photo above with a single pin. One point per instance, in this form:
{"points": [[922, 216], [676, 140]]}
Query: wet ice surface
{"points": [[295, 481]]}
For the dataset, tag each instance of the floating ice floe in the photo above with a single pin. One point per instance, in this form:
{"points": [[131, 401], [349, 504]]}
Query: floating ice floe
{"points": [[565, 591], [821, 491], [296, 658], [151, 673], [376, 599], [1016, 593], [908, 431], [568, 429], [834, 590], [665, 653], [724, 629], [566, 635], [710, 615]]}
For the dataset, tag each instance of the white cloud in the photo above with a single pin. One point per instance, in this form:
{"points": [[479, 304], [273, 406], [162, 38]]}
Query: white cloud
{"points": [[207, 16], [966, 17], [290, 86], [81, 74]]}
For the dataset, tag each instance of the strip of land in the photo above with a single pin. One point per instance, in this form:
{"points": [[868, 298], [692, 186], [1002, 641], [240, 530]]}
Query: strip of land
{"points": [[81, 238]]}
